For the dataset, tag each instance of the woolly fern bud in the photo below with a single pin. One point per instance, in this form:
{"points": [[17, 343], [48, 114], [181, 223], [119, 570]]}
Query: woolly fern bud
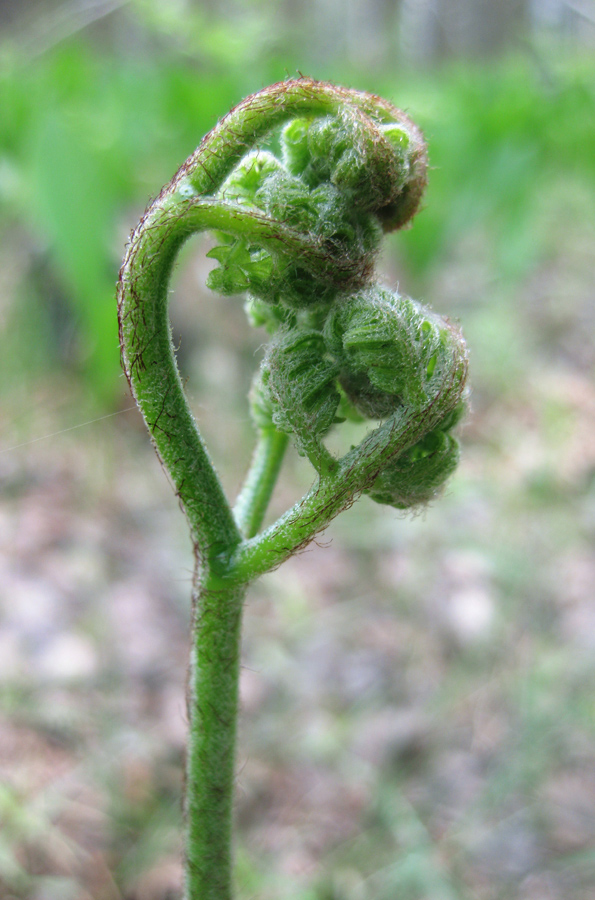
{"points": [[414, 477], [391, 350], [322, 213], [379, 167], [347, 151], [298, 384], [343, 179]]}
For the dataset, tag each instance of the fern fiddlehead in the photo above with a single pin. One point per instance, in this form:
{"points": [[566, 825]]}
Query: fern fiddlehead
{"points": [[298, 232]]}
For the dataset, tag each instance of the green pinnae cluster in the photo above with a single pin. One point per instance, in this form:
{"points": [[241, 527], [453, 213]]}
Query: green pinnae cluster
{"points": [[391, 350], [370, 166], [297, 387], [415, 476], [372, 354], [339, 180]]}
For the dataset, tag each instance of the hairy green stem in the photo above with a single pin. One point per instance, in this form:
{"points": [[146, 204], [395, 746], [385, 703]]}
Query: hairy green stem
{"points": [[212, 712], [253, 500]]}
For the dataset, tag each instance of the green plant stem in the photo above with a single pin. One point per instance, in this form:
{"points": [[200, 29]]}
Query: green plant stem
{"points": [[212, 710], [253, 500]]}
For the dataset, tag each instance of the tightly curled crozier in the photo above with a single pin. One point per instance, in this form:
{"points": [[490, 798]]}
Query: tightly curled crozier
{"points": [[341, 179]]}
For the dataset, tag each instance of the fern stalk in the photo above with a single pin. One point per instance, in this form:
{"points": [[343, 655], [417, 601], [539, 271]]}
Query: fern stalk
{"points": [[300, 234]]}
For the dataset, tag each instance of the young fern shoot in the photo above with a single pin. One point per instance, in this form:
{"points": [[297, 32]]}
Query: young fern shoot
{"points": [[299, 233]]}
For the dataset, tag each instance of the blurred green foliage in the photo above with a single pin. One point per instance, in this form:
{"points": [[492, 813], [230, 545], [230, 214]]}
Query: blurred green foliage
{"points": [[88, 132], [500, 139]]}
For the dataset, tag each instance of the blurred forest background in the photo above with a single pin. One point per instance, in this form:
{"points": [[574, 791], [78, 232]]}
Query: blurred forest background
{"points": [[418, 694]]}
